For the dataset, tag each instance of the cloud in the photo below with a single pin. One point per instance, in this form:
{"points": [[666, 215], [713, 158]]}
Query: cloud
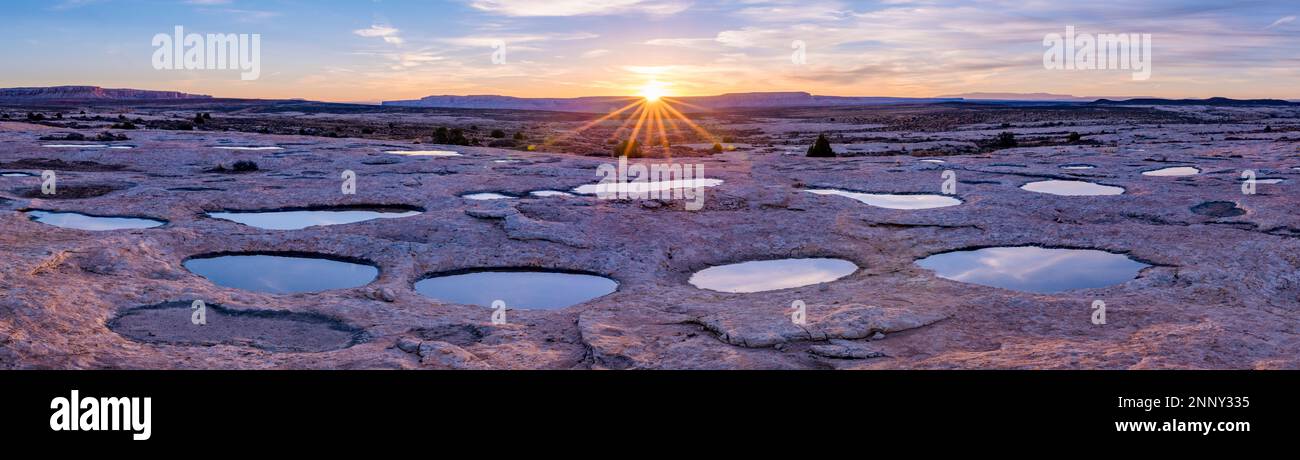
{"points": [[579, 7], [1281, 21], [682, 42], [595, 53], [389, 34], [207, 2]]}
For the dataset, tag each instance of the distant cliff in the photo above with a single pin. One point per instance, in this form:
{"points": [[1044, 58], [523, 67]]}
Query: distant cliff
{"points": [[92, 92], [687, 104]]}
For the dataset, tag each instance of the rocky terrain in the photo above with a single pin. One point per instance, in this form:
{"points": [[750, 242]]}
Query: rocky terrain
{"points": [[1223, 291]]}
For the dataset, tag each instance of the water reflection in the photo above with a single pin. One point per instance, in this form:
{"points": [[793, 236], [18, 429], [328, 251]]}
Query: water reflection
{"points": [[1034, 269], [894, 201], [281, 274], [92, 223], [300, 219], [1072, 188], [770, 275], [522, 289]]}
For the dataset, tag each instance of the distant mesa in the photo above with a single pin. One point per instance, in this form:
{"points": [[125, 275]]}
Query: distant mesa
{"points": [[604, 104], [92, 93], [1214, 101]]}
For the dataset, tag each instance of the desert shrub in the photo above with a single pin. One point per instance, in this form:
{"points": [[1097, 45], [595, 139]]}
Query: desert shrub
{"points": [[455, 136], [519, 136], [35, 116], [628, 148], [1074, 137], [58, 116], [498, 134], [367, 130], [821, 147], [110, 137], [1005, 140], [728, 139], [244, 166], [717, 148], [502, 143], [124, 125], [198, 119]]}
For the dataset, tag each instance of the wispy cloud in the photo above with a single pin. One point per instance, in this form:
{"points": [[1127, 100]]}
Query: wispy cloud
{"points": [[1281, 21], [387, 33], [579, 7]]}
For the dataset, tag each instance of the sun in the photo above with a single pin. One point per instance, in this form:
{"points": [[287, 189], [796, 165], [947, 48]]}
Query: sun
{"points": [[653, 91]]}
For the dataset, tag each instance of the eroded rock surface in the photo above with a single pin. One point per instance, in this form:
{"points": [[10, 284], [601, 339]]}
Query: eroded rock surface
{"points": [[1223, 290]]}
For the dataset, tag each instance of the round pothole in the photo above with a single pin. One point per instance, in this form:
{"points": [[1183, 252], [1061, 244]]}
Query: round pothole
{"points": [[771, 275], [282, 273], [173, 323], [519, 288]]}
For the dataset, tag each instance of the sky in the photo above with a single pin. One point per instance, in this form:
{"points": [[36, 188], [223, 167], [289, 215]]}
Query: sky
{"points": [[374, 50]]}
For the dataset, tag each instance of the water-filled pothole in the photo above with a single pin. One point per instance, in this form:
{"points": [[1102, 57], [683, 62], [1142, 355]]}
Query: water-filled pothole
{"points": [[171, 323], [644, 187], [1218, 209], [282, 273], [1034, 269], [15, 174], [548, 193], [86, 146], [518, 288], [1072, 188], [483, 196], [894, 201], [1077, 166], [93, 223], [771, 275], [297, 219], [424, 153], [247, 147], [1173, 171]]}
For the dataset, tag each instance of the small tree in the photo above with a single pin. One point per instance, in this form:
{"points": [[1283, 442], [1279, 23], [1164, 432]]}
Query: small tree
{"points": [[821, 147]]}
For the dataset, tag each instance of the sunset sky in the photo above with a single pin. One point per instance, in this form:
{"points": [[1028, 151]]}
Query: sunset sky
{"points": [[373, 50]]}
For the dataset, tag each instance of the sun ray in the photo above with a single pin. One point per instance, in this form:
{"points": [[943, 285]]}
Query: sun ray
{"points": [[636, 130], [627, 122], [691, 124]]}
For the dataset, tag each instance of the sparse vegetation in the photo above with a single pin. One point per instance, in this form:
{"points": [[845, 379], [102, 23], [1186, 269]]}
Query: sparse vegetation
{"points": [[1074, 138], [1005, 140], [629, 148], [124, 125], [498, 134], [519, 136], [110, 137], [821, 148], [717, 148], [455, 136]]}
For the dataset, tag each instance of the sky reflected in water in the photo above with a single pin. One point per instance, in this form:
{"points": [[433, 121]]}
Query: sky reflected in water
{"points": [[1034, 269], [519, 289], [770, 275], [282, 274]]}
